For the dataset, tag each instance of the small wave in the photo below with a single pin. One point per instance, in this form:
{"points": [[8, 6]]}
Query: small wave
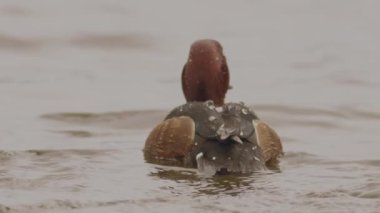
{"points": [[370, 191], [327, 194], [78, 133], [356, 82], [331, 119], [310, 123], [296, 158], [59, 153], [282, 115], [125, 119], [18, 43], [301, 111], [290, 155], [339, 112], [364, 114], [100, 41], [4, 209], [303, 158], [65, 152], [146, 119], [6, 155], [47, 167], [112, 41], [370, 194], [366, 162], [49, 205]]}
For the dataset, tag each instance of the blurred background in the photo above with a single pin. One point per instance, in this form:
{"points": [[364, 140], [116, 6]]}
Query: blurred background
{"points": [[82, 83]]}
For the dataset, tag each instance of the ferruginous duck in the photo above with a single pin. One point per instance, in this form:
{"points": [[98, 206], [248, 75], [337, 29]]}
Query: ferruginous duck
{"points": [[205, 75], [207, 134]]}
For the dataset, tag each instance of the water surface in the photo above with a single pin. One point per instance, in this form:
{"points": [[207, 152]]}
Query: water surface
{"points": [[83, 82]]}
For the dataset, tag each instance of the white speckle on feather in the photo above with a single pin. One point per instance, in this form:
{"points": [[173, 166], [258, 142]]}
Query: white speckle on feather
{"points": [[199, 156], [237, 139], [244, 111], [211, 118], [214, 158], [210, 104]]}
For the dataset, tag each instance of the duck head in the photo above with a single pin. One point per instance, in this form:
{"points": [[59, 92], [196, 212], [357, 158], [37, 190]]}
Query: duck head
{"points": [[205, 75]]}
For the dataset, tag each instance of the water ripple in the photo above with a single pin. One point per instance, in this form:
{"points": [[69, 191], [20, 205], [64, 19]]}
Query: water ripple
{"points": [[369, 190], [126, 119], [19, 43], [279, 115], [100, 41], [56, 204], [110, 41]]}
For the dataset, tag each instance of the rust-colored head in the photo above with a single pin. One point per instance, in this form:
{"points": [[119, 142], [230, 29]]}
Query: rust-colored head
{"points": [[205, 75]]}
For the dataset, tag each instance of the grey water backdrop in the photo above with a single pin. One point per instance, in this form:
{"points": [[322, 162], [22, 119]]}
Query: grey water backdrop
{"points": [[83, 82]]}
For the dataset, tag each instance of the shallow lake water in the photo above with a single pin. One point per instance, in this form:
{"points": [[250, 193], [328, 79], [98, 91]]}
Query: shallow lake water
{"points": [[83, 82]]}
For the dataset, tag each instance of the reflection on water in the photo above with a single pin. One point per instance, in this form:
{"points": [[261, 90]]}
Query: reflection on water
{"points": [[80, 91], [231, 184]]}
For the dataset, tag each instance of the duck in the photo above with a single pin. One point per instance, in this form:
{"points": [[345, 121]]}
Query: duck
{"points": [[206, 133]]}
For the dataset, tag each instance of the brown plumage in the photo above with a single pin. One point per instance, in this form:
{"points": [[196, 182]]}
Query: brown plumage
{"points": [[205, 75], [170, 141], [269, 142]]}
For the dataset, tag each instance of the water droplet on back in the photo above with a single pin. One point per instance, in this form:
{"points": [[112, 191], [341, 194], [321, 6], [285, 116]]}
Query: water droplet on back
{"points": [[219, 109], [244, 111]]}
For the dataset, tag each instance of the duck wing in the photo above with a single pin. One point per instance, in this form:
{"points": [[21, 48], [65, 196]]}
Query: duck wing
{"points": [[170, 141], [269, 142]]}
